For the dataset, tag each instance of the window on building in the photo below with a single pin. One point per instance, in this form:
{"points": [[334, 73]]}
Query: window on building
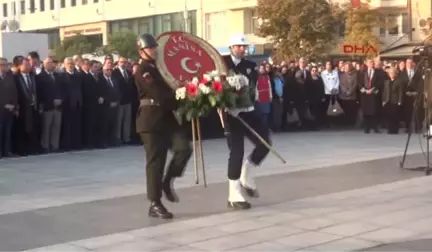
{"points": [[215, 24], [5, 10], [125, 25], [62, 3], [114, 27], [177, 21], [32, 6], [42, 5], [52, 4], [405, 24], [192, 22], [73, 2], [157, 25], [393, 24], [22, 6], [254, 22], [145, 25], [53, 39], [95, 1], [166, 23], [84, 2]]}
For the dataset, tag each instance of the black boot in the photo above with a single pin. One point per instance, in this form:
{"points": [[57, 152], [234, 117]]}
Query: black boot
{"points": [[169, 191], [253, 193], [157, 210]]}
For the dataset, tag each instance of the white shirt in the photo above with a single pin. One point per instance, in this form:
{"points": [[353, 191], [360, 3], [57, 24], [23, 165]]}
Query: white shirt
{"points": [[235, 60], [370, 73], [331, 81], [124, 73], [38, 70], [26, 78], [109, 81], [410, 73]]}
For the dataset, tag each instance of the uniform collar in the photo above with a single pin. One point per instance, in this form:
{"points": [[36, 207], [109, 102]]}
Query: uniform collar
{"points": [[235, 60]]}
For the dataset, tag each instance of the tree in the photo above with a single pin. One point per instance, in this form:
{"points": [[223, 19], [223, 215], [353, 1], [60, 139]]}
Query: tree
{"points": [[77, 44], [122, 43], [298, 28], [360, 27]]}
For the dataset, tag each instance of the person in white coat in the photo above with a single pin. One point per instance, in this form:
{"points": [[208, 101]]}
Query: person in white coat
{"points": [[330, 77]]}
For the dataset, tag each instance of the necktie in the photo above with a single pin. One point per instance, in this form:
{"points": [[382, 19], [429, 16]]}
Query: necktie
{"points": [[410, 74], [370, 79], [27, 81], [125, 75], [110, 82]]}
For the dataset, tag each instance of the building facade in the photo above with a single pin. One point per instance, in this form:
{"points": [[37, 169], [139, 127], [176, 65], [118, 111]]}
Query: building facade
{"points": [[212, 20]]}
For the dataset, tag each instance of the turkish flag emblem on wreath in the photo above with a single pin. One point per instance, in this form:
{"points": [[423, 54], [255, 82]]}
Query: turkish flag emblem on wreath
{"points": [[183, 56]]}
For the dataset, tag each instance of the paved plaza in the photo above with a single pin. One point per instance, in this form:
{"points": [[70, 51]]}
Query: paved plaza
{"points": [[340, 191]]}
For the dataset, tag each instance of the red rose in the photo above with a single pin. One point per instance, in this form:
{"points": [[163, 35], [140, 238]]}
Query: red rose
{"points": [[192, 90], [217, 86], [204, 81]]}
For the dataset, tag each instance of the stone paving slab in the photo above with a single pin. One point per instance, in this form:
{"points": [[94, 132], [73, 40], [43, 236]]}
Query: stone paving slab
{"points": [[59, 179], [54, 225], [243, 231]]}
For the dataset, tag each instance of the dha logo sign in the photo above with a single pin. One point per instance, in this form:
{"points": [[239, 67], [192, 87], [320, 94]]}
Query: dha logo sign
{"points": [[359, 49]]}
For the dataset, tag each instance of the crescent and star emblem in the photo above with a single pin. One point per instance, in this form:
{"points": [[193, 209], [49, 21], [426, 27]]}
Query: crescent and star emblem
{"points": [[184, 66]]}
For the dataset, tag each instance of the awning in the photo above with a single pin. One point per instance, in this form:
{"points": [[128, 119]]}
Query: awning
{"points": [[400, 51]]}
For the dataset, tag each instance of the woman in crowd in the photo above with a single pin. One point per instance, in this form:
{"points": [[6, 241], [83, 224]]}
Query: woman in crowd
{"points": [[316, 97], [348, 93], [264, 94], [392, 100], [277, 101], [330, 78]]}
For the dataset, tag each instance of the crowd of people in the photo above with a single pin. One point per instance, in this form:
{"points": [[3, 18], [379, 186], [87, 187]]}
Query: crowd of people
{"points": [[78, 104], [48, 106], [370, 94]]}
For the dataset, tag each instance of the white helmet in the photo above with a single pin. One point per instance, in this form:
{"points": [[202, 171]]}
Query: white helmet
{"points": [[238, 39]]}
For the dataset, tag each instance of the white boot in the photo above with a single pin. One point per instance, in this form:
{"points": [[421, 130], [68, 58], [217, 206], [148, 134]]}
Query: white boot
{"points": [[235, 196], [247, 179], [235, 191]]}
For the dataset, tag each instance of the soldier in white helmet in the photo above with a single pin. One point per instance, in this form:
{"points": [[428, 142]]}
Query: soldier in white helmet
{"points": [[240, 172]]}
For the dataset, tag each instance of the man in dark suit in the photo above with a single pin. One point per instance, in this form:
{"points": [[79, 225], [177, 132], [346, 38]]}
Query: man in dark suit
{"points": [[125, 82], [51, 95], [29, 113], [112, 99], [8, 102], [78, 61], [92, 104], [35, 62], [71, 137], [370, 86], [159, 129], [412, 84], [302, 77]]}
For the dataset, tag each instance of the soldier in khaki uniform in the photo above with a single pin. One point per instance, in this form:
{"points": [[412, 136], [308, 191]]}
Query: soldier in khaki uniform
{"points": [[159, 130]]}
